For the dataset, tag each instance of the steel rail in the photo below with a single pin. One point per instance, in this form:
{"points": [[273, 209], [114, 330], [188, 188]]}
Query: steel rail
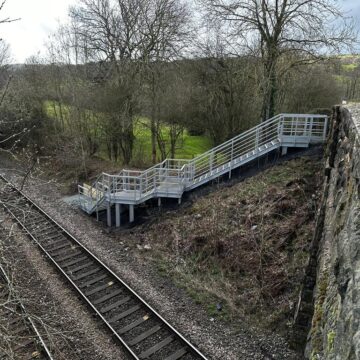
{"points": [[192, 349]]}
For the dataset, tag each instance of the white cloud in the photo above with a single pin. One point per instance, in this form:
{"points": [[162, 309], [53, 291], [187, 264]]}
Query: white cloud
{"points": [[38, 18]]}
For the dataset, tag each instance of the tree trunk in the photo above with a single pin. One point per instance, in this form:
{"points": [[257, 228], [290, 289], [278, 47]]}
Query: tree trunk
{"points": [[153, 127], [175, 133], [270, 88], [127, 133], [153, 138], [127, 144]]}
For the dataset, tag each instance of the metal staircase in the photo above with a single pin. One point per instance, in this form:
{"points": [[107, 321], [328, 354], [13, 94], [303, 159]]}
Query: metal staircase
{"points": [[172, 177]]}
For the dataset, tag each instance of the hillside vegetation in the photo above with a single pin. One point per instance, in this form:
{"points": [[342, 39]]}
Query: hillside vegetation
{"points": [[188, 146], [243, 246], [130, 83]]}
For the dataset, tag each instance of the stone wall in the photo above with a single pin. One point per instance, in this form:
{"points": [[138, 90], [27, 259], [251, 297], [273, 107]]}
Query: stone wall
{"points": [[330, 299]]}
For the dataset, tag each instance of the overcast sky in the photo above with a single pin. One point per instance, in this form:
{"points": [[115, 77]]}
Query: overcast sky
{"points": [[40, 17]]}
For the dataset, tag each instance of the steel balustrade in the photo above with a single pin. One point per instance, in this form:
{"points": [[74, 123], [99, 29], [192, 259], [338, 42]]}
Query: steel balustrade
{"points": [[172, 177]]}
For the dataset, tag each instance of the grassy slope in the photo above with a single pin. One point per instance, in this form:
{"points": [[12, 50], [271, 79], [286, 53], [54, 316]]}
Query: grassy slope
{"points": [[247, 252], [349, 67], [349, 63], [190, 145]]}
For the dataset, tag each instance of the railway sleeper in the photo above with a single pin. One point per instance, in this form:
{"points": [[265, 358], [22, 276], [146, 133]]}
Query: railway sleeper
{"points": [[145, 335], [178, 354], [81, 267], [114, 305], [61, 244], [124, 314], [62, 250], [68, 256], [75, 261], [107, 297], [152, 350], [93, 281], [86, 274], [99, 288]]}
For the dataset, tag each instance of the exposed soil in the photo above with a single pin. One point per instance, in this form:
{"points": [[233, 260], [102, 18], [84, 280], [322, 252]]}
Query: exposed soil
{"points": [[228, 336]]}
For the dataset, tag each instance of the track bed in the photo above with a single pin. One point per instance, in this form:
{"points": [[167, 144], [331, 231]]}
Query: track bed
{"points": [[138, 327]]}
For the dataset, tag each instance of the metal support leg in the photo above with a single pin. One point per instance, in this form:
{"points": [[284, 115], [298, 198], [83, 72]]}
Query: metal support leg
{"points": [[284, 150], [131, 213], [179, 201], [159, 202], [118, 214], [108, 213]]}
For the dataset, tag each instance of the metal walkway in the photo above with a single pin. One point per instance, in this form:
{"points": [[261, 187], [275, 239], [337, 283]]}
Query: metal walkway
{"points": [[172, 177]]}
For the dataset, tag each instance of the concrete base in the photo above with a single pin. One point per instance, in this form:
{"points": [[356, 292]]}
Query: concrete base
{"points": [[284, 150], [131, 213], [108, 214], [118, 214]]}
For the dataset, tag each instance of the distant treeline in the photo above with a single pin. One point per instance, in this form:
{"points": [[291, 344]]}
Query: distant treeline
{"points": [[130, 70]]}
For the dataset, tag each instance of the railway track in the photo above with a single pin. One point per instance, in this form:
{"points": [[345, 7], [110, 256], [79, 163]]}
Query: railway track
{"points": [[138, 327], [20, 338]]}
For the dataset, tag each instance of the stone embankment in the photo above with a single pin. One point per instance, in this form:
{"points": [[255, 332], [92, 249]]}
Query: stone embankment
{"points": [[329, 304]]}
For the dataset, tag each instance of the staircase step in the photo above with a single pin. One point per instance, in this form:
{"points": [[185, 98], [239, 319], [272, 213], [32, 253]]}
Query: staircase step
{"points": [[199, 164]]}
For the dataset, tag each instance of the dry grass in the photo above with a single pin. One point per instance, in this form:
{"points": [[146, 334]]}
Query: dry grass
{"points": [[247, 252]]}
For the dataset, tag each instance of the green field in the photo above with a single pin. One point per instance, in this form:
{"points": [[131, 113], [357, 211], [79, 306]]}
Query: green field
{"points": [[349, 67], [188, 146]]}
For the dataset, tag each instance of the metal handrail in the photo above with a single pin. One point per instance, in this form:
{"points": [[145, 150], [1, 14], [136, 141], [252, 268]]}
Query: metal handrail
{"points": [[181, 174]]}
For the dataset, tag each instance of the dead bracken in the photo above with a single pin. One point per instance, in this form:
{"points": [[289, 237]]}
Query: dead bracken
{"points": [[250, 251]]}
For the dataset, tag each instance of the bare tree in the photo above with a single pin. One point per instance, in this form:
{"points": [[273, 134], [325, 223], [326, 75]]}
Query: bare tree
{"points": [[310, 29], [168, 32], [109, 34], [128, 36]]}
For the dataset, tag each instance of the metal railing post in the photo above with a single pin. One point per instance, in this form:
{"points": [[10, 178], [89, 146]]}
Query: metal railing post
{"points": [[108, 189], [325, 127], [231, 158], [192, 171], [155, 173], [280, 128]]}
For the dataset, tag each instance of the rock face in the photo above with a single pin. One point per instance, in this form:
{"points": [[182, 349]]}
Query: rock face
{"points": [[333, 274]]}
